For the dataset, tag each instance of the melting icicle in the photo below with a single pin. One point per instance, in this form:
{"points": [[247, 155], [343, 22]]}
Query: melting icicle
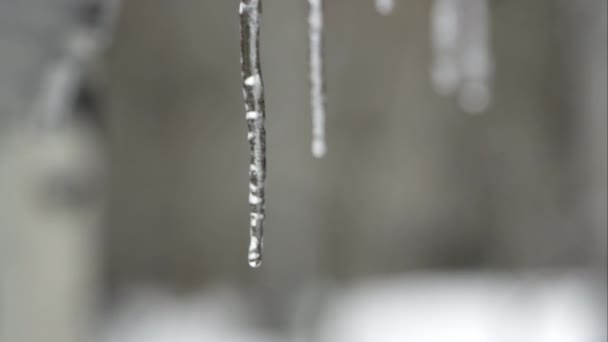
{"points": [[253, 91], [317, 91], [385, 7], [461, 49]]}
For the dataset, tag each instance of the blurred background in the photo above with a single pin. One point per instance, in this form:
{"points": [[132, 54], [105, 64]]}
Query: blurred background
{"points": [[124, 160]]}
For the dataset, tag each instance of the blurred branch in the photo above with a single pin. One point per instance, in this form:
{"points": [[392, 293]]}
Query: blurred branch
{"points": [[49, 202]]}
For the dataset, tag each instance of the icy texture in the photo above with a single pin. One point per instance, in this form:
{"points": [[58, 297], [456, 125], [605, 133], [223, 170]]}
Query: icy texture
{"points": [[253, 92]]}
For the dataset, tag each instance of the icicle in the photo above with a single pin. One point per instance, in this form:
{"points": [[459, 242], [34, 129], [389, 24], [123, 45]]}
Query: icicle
{"points": [[445, 70], [253, 91], [461, 49], [317, 91], [385, 7], [475, 59]]}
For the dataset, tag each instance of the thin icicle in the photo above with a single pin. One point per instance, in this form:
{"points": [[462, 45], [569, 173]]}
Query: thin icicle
{"points": [[317, 91], [253, 91], [445, 69], [476, 61], [385, 7]]}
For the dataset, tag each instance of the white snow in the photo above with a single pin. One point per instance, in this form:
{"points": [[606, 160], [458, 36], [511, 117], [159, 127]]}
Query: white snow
{"points": [[531, 306]]}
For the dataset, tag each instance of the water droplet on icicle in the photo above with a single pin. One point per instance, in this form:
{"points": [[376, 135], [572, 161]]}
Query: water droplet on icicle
{"points": [[317, 82], [255, 113], [385, 7]]}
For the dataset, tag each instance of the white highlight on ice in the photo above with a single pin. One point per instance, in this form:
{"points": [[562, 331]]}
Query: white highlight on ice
{"points": [[255, 218], [253, 199], [446, 23], [315, 32], [252, 115], [252, 80]]}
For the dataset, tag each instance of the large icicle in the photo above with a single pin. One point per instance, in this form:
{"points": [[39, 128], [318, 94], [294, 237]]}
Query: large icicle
{"points": [[253, 91], [317, 91], [385, 7]]}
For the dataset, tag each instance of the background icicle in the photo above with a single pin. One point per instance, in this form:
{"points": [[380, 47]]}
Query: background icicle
{"points": [[317, 90], [461, 52], [445, 70], [253, 93], [475, 57]]}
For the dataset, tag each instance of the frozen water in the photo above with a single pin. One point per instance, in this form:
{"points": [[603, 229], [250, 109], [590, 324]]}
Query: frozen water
{"points": [[317, 91], [445, 69], [462, 59], [253, 91], [475, 57]]}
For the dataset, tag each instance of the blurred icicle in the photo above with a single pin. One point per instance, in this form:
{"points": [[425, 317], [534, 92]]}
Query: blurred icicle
{"points": [[385, 7], [445, 71], [317, 91], [253, 92], [476, 64], [461, 52]]}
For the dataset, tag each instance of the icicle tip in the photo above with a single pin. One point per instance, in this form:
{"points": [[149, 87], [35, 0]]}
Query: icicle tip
{"points": [[319, 149], [255, 253]]}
